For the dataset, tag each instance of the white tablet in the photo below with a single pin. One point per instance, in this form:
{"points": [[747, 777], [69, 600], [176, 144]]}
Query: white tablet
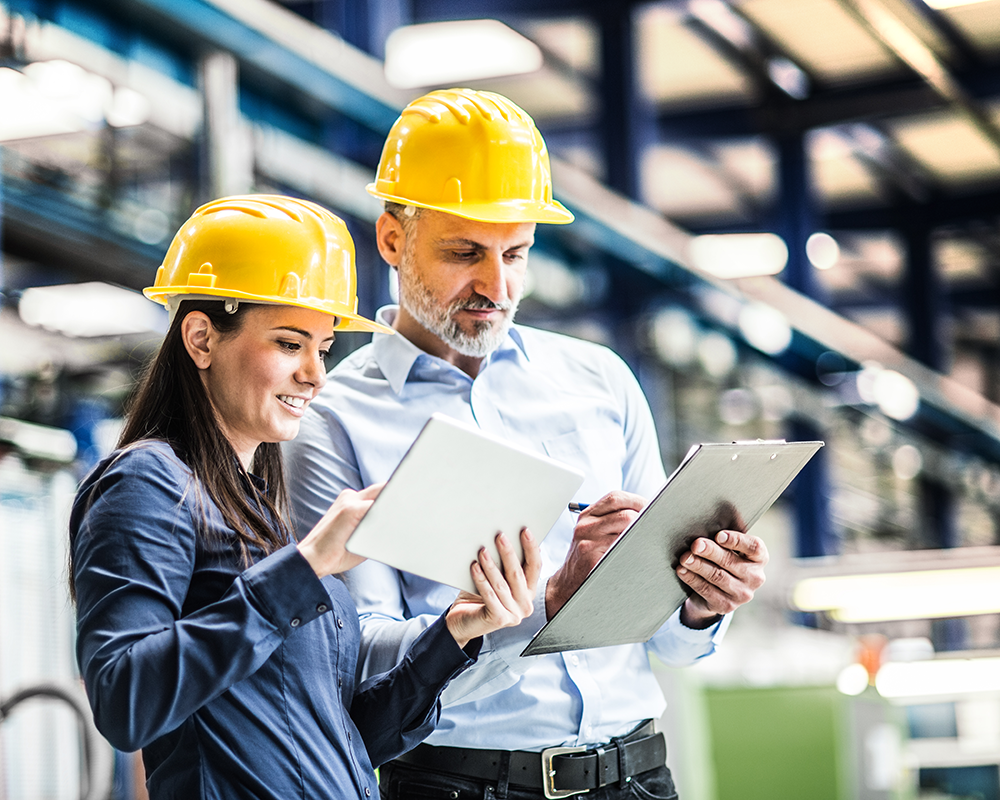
{"points": [[454, 490]]}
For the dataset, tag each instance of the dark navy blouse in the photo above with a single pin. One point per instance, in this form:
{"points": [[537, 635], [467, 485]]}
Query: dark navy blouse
{"points": [[235, 683]]}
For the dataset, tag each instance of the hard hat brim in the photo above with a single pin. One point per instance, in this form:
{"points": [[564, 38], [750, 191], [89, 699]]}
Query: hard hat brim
{"points": [[347, 320], [554, 213]]}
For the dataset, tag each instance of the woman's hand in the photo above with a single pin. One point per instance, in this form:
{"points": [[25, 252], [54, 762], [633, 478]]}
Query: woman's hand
{"points": [[325, 546], [505, 597]]}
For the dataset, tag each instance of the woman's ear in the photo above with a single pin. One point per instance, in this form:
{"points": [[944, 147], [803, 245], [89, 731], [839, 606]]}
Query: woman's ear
{"points": [[198, 335], [390, 238]]}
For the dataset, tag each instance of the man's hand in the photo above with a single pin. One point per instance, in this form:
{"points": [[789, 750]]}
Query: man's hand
{"points": [[596, 530], [723, 573]]}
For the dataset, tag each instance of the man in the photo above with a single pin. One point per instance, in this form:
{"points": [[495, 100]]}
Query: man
{"points": [[465, 177]]}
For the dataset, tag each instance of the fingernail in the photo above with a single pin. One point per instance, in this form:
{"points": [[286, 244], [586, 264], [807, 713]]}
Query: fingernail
{"points": [[722, 538], [699, 546], [689, 560], [682, 571]]}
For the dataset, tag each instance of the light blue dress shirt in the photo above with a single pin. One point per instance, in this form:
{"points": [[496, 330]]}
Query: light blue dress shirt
{"points": [[572, 400]]}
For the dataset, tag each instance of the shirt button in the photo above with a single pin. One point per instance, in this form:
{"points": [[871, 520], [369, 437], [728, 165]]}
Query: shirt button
{"points": [[322, 608], [575, 661], [368, 792], [295, 622], [340, 623]]}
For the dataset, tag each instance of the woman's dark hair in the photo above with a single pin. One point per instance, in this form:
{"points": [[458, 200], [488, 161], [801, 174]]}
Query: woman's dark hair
{"points": [[170, 404]]}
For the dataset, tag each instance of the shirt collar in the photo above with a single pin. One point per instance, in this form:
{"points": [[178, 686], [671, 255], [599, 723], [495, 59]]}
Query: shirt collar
{"points": [[396, 355]]}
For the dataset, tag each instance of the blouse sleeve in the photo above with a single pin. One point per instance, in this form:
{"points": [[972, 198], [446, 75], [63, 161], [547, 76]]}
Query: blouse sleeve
{"points": [[146, 664], [398, 709]]}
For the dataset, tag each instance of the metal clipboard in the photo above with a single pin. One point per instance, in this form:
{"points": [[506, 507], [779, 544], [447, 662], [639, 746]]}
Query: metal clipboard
{"points": [[633, 589]]}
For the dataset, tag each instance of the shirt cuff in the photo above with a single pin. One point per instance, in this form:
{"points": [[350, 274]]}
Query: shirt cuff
{"points": [[286, 590], [713, 633], [509, 642], [438, 655]]}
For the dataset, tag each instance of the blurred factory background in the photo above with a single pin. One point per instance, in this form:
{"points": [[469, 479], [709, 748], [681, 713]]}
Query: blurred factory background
{"points": [[788, 223]]}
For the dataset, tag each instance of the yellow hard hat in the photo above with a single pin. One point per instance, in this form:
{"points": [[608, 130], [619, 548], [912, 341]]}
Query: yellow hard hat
{"points": [[472, 154], [265, 248]]}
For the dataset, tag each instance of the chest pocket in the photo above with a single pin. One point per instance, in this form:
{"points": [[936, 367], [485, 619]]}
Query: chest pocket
{"points": [[598, 452]]}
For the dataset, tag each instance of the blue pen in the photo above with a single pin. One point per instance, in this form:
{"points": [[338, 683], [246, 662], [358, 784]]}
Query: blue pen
{"points": [[578, 507]]}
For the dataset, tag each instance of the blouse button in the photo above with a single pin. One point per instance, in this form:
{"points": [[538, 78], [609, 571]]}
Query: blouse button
{"points": [[340, 623], [295, 622], [322, 608], [368, 792]]}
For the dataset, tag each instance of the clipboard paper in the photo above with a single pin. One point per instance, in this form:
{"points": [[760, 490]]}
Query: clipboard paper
{"points": [[633, 589]]}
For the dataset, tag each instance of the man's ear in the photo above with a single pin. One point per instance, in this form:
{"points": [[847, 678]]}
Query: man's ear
{"points": [[390, 238], [198, 335]]}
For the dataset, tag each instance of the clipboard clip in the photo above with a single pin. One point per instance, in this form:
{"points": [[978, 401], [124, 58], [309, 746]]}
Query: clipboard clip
{"points": [[549, 772]]}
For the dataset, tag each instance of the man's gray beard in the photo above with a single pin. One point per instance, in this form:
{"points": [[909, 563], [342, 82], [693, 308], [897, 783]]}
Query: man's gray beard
{"points": [[416, 298]]}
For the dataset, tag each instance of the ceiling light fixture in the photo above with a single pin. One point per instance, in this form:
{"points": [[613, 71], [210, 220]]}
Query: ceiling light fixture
{"points": [[739, 255], [57, 97], [91, 309], [822, 250], [919, 594], [446, 53], [940, 677], [765, 328]]}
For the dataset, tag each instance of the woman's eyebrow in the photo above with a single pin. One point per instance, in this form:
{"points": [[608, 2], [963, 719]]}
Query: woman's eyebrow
{"points": [[301, 332]]}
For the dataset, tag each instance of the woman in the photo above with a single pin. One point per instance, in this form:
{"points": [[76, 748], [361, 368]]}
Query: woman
{"points": [[206, 636]]}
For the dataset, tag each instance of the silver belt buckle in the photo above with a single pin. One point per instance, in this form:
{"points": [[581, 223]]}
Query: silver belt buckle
{"points": [[549, 773]]}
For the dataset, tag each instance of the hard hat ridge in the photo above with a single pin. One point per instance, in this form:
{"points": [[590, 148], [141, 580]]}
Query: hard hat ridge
{"points": [[264, 249], [469, 153]]}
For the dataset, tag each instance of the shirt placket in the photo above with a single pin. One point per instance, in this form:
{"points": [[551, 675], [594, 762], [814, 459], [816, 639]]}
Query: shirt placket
{"points": [[482, 400], [590, 696]]}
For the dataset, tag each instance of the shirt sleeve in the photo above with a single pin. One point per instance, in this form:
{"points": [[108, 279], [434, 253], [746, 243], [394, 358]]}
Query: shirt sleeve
{"points": [[411, 687], [319, 465], [675, 644], [387, 632], [146, 664]]}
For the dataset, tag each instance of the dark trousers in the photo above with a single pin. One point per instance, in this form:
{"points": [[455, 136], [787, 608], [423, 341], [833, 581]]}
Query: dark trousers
{"points": [[398, 781]]}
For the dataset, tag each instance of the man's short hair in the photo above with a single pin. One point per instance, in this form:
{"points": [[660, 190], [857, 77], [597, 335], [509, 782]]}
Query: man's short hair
{"points": [[405, 215]]}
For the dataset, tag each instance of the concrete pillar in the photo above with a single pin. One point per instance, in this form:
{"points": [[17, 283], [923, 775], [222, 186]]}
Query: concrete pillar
{"points": [[228, 148]]}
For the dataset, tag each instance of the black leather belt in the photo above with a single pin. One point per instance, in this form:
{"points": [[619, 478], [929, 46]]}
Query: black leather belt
{"points": [[556, 771]]}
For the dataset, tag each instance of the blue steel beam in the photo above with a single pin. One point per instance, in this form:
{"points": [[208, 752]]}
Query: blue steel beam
{"points": [[82, 245], [209, 25], [610, 227], [939, 209], [797, 217], [623, 111]]}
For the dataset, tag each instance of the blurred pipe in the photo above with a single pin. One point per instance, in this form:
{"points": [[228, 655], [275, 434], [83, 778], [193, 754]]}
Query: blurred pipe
{"points": [[91, 785]]}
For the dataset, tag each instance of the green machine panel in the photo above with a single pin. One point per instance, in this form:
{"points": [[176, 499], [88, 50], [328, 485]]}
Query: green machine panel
{"points": [[799, 743]]}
